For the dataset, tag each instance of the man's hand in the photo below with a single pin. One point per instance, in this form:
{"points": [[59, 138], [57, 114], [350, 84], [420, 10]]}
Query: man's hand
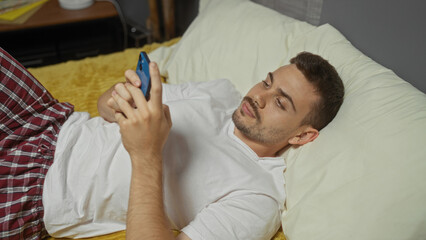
{"points": [[144, 125], [120, 88], [106, 104]]}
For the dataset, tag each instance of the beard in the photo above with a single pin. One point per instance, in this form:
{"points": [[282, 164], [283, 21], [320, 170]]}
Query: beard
{"points": [[248, 131], [255, 131]]}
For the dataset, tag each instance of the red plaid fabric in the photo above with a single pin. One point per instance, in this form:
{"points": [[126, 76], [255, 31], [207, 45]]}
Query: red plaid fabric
{"points": [[30, 119]]}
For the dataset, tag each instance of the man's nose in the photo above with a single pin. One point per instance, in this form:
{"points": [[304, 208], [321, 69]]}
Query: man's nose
{"points": [[259, 100]]}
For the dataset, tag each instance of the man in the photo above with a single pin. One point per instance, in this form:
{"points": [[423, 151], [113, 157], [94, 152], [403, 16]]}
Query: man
{"points": [[289, 107], [239, 199]]}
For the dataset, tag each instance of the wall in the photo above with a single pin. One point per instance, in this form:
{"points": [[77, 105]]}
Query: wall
{"points": [[391, 32], [137, 11], [186, 11]]}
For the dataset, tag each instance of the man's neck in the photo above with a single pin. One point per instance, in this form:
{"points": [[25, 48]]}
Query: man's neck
{"points": [[260, 149]]}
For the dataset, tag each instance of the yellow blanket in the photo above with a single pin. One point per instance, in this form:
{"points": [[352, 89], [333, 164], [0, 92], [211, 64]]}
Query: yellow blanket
{"points": [[82, 82]]}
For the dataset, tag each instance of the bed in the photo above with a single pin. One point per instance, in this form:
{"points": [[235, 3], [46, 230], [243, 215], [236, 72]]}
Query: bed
{"points": [[365, 175]]}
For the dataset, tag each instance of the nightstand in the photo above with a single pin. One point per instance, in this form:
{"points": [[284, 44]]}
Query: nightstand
{"points": [[54, 34]]}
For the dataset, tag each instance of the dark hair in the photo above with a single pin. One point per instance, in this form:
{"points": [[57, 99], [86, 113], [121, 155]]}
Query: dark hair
{"points": [[324, 77]]}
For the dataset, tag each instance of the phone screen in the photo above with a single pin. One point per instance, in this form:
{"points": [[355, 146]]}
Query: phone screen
{"points": [[142, 69]]}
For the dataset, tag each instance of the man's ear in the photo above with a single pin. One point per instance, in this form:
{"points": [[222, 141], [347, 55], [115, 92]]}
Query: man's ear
{"points": [[308, 134]]}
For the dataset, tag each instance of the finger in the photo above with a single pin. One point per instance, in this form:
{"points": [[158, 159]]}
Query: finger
{"points": [[123, 105], [133, 78], [122, 91], [156, 87], [119, 117], [112, 104], [138, 97]]}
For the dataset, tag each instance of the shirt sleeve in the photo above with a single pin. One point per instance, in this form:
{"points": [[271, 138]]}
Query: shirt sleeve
{"points": [[244, 217]]}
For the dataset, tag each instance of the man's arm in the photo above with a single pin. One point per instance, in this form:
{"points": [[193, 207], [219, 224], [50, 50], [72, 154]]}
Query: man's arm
{"points": [[144, 128], [146, 218], [146, 208]]}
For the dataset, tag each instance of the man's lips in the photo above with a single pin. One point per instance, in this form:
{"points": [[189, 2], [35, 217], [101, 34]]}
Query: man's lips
{"points": [[247, 109]]}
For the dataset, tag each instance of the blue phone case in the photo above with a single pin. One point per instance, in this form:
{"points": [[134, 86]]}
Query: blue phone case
{"points": [[142, 69]]}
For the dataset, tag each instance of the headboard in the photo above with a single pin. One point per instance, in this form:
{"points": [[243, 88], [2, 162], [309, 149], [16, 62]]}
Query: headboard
{"points": [[391, 32]]}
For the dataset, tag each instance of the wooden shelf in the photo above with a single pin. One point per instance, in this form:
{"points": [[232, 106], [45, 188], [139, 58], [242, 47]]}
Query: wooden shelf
{"points": [[51, 14], [54, 34]]}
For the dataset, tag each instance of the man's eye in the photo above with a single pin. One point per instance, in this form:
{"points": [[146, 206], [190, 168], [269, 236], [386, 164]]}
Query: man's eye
{"points": [[265, 84], [279, 104]]}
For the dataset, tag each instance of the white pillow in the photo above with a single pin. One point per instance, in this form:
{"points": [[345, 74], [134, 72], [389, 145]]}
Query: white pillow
{"points": [[365, 175], [235, 39]]}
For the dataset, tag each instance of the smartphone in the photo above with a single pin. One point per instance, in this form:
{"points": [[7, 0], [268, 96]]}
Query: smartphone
{"points": [[142, 69]]}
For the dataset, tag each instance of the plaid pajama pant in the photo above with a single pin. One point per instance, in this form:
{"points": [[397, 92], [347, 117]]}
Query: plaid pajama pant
{"points": [[30, 120]]}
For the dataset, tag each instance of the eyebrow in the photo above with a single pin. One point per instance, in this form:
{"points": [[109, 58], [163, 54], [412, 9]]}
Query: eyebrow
{"points": [[282, 93]]}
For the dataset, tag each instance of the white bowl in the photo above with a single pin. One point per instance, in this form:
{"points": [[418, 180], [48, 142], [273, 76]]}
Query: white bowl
{"points": [[75, 4]]}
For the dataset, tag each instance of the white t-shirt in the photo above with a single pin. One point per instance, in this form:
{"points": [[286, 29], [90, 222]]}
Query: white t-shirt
{"points": [[215, 186]]}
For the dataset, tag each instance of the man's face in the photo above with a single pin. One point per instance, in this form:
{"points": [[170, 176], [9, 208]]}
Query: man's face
{"points": [[273, 109]]}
